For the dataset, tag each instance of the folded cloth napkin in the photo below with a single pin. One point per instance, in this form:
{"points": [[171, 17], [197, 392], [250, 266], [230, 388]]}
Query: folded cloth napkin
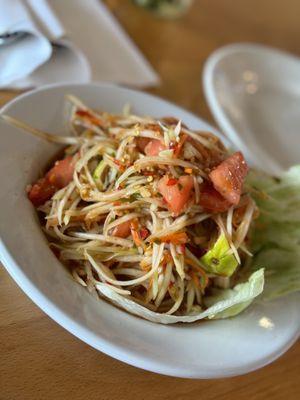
{"points": [[20, 57], [84, 42]]}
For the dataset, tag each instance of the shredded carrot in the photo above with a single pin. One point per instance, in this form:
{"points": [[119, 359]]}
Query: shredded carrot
{"points": [[175, 238], [195, 279], [136, 238], [90, 117], [188, 170], [179, 145], [200, 270], [134, 225], [119, 165], [167, 257]]}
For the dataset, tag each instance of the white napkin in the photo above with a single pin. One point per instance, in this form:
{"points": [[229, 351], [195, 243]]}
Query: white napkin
{"points": [[22, 56], [88, 42], [111, 53]]}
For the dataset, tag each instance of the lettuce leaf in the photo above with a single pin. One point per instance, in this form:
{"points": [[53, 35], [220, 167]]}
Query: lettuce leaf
{"points": [[280, 197], [282, 271], [223, 304], [276, 234]]}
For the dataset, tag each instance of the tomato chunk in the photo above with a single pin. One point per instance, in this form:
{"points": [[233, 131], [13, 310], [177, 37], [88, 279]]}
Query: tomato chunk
{"points": [[122, 230], [41, 191], [228, 177], [177, 195], [151, 147], [211, 200], [56, 178], [62, 172], [154, 147]]}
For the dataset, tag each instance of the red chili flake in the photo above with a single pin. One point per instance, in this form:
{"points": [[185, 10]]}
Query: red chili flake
{"points": [[172, 182], [144, 233], [179, 145], [119, 165], [148, 173], [181, 249]]}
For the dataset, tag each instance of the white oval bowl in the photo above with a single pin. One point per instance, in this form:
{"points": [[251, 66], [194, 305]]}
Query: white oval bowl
{"points": [[209, 349], [254, 94]]}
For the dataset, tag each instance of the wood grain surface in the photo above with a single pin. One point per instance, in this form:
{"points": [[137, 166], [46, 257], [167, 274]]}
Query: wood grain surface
{"points": [[38, 358]]}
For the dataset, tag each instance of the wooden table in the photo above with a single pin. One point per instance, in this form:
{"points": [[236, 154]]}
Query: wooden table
{"points": [[39, 359]]}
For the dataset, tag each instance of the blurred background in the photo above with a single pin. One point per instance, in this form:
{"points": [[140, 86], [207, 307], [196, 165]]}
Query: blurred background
{"points": [[177, 43], [178, 48]]}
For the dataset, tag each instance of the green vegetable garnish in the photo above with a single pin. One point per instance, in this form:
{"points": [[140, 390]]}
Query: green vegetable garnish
{"points": [[217, 260], [99, 170], [133, 197]]}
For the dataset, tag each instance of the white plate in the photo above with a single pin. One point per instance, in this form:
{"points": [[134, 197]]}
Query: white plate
{"points": [[209, 349], [254, 94]]}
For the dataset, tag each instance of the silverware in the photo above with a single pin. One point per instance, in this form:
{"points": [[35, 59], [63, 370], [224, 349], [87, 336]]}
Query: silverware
{"points": [[8, 38]]}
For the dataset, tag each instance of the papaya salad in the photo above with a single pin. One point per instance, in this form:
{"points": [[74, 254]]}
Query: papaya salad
{"points": [[150, 215]]}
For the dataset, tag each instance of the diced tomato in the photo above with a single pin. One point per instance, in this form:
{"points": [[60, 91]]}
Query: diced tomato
{"points": [[122, 230], [154, 147], [62, 172], [211, 200], [41, 191], [151, 147], [228, 177], [178, 195], [56, 178]]}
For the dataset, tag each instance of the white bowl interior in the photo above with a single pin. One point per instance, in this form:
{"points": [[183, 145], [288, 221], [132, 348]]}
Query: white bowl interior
{"points": [[254, 94], [205, 350]]}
